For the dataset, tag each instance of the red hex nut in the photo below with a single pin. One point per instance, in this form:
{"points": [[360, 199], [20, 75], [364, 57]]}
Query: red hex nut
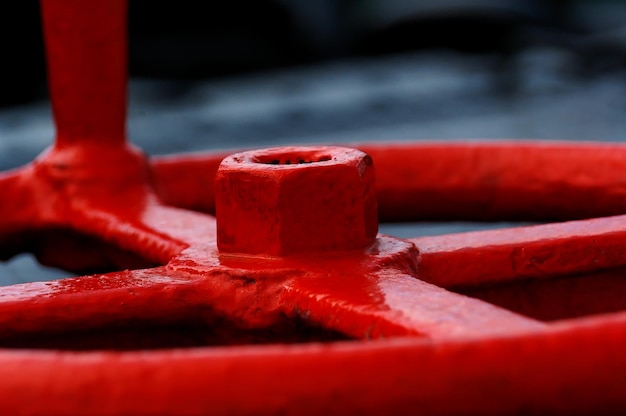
{"points": [[295, 200]]}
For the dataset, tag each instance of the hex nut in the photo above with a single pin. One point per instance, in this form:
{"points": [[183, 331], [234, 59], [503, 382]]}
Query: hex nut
{"points": [[295, 200]]}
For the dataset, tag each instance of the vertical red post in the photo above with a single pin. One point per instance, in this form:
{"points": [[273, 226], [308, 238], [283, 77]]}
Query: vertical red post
{"points": [[86, 50]]}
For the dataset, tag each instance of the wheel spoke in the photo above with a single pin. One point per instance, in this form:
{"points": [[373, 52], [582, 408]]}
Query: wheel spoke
{"points": [[205, 308], [156, 232], [525, 252], [93, 301], [87, 70], [394, 304]]}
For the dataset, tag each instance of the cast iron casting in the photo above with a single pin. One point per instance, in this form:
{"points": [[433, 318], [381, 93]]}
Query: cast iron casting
{"points": [[287, 301]]}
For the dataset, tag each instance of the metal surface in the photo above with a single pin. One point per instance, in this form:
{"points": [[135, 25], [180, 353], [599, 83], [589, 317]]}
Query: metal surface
{"points": [[308, 325]]}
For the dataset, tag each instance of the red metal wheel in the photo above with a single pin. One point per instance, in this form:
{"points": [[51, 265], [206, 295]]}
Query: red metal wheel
{"points": [[290, 315]]}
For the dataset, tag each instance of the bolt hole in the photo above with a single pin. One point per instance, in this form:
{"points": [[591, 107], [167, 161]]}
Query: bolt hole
{"points": [[293, 159]]}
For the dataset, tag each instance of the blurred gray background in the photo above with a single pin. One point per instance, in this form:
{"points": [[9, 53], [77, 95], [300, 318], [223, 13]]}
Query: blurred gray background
{"points": [[264, 73]]}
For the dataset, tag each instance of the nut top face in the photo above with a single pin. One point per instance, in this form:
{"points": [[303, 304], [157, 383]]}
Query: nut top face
{"points": [[295, 200]]}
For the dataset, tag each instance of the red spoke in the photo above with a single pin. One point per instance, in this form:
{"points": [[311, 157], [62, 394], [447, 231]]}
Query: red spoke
{"points": [[186, 226], [220, 304], [86, 56], [389, 303], [93, 301], [525, 252], [156, 232]]}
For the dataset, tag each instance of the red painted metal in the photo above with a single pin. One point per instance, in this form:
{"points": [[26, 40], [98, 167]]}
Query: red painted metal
{"points": [[289, 201], [302, 321]]}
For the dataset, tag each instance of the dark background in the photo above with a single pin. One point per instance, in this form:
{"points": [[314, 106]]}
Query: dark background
{"points": [[263, 73]]}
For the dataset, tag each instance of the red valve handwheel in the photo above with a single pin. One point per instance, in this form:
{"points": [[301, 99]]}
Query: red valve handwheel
{"points": [[359, 325]]}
